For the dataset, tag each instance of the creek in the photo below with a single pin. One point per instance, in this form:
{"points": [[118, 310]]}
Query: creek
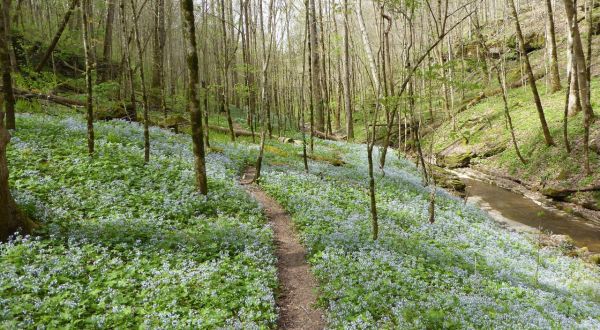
{"points": [[526, 214]]}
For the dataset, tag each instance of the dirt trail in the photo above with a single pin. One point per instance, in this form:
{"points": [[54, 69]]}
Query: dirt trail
{"points": [[296, 300]]}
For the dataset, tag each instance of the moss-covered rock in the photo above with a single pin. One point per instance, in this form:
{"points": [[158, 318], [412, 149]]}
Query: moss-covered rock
{"points": [[447, 180], [555, 192], [455, 160], [117, 112], [533, 41]]}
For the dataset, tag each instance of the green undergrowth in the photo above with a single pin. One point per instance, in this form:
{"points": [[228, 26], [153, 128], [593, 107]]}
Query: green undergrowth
{"points": [[463, 271], [484, 127], [123, 244]]}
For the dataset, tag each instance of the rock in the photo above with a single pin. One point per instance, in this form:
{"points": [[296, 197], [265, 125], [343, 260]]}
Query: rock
{"points": [[283, 139], [173, 122], [563, 242], [455, 160], [533, 41], [492, 150], [595, 259], [447, 180], [110, 114], [554, 192]]}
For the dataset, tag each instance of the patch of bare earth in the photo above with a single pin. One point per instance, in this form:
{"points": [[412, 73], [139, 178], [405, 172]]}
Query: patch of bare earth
{"points": [[297, 298]]}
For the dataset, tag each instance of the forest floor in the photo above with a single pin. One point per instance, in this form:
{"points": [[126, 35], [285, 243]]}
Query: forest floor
{"points": [[296, 297], [125, 244]]}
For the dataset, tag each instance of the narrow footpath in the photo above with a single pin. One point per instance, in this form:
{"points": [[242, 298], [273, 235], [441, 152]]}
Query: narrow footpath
{"points": [[296, 299]]}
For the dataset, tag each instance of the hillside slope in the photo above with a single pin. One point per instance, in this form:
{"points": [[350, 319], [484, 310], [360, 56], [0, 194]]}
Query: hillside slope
{"points": [[123, 244], [127, 245]]}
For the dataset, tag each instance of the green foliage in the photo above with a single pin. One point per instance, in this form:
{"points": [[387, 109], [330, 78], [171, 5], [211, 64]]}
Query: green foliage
{"points": [[123, 244]]}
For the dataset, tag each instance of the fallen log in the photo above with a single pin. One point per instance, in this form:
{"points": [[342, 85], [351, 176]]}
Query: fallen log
{"points": [[324, 136], [29, 95], [237, 132], [562, 193]]}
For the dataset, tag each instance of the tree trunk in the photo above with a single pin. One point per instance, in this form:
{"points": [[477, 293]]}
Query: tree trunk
{"points": [[371, 135], [7, 89], [187, 9], [11, 218], [88, 79], [347, 89], [56, 38], [566, 115], [264, 104], [226, 61], [131, 112], [530, 76], [574, 106], [157, 83], [315, 68], [590, 34], [106, 73], [584, 84], [143, 81], [554, 75]]}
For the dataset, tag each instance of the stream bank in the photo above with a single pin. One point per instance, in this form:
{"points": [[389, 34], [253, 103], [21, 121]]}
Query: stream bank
{"points": [[526, 211]]}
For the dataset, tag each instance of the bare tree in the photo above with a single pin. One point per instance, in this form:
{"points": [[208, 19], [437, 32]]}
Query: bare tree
{"points": [[373, 120], [552, 52], [317, 97], [266, 59], [530, 76], [57, 36], [584, 84], [347, 88]]}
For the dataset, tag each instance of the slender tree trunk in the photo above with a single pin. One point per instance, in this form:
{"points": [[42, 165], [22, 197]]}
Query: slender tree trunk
{"points": [[88, 79], [501, 77], [530, 76], [584, 84], [324, 74], [157, 82], [56, 38], [371, 135], [315, 68], [132, 109], [187, 9], [264, 103], [590, 34], [574, 100], [7, 88], [566, 115], [226, 61], [143, 81], [552, 52], [347, 89], [302, 101]]}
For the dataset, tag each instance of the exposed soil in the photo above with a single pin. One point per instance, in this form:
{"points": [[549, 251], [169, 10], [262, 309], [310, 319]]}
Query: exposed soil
{"points": [[297, 295]]}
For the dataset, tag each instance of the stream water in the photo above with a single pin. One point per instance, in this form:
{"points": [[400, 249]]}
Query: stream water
{"points": [[524, 214]]}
